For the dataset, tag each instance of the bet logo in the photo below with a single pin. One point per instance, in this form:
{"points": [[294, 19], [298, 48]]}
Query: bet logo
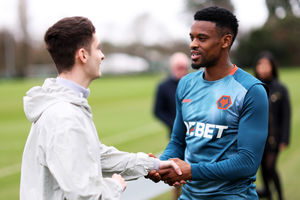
{"points": [[224, 102]]}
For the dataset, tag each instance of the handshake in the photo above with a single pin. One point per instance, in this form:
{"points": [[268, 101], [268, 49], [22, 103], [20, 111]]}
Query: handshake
{"points": [[173, 172]]}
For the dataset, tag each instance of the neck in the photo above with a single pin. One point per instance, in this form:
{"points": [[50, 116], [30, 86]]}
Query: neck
{"points": [[76, 76], [218, 71]]}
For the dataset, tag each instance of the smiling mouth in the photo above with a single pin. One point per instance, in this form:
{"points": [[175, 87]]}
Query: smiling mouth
{"points": [[195, 55]]}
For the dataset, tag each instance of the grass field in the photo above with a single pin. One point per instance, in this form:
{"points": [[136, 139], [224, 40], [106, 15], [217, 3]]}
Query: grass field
{"points": [[122, 111]]}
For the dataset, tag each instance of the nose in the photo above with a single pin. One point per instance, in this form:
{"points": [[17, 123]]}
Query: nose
{"points": [[102, 55], [193, 44]]}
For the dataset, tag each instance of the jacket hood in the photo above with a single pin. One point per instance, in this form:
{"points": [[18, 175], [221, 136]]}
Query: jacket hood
{"points": [[39, 98]]}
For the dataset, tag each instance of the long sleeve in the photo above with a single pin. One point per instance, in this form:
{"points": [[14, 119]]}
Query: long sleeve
{"points": [[285, 117], [161, 106], [129, 165], [176, 146], [252, 134]]}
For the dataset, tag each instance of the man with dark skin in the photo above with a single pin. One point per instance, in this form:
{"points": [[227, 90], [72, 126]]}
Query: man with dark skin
{"points": [[221, 117]]}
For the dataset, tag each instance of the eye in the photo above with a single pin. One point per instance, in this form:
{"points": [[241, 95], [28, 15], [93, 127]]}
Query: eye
{"points": [[202, 39], [191, 38]]}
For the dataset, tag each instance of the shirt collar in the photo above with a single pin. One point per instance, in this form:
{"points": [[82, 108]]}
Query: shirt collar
{"points": [[83, 92]]}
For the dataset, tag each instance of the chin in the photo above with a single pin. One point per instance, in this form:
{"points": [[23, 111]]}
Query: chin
{"points": [[99, 73], [97, 76], [196, 66]]}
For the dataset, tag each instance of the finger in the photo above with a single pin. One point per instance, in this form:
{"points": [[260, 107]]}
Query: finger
{"points": [[182, 182], [151, 173], [176, 168], [163, 172], [174, 159], [151, 155], [176, 184], [170, 179], [155, 180], [156, 177], [171, 182]]}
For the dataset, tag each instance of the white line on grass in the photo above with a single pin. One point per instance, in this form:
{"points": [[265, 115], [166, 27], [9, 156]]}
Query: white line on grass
{"points": [[129, 135], [10, 170]]}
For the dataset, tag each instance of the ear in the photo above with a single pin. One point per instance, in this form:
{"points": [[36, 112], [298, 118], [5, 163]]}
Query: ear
{"points": [[82, 55], [226, 40]]}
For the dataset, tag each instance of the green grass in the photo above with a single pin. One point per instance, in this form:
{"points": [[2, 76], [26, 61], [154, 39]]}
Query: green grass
{"points": [[122, 112]]}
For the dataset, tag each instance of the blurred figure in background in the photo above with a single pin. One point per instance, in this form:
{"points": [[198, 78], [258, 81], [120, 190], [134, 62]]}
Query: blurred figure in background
{"points": [[279, 123], [165, 108]]}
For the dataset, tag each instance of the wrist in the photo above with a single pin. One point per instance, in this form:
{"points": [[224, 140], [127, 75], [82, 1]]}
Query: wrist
{"points": [[189, 174], [156, 164]]}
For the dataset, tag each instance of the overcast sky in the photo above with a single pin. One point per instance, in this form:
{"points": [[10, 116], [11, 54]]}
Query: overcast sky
{"points": [[115, 19]]}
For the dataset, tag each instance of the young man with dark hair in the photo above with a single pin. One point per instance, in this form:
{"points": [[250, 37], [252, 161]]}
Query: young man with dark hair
{"points": [[221, 121], [63, 157]]}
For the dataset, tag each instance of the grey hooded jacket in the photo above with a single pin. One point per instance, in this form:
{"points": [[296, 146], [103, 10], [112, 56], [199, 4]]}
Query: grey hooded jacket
{"points": [[63, 157]]}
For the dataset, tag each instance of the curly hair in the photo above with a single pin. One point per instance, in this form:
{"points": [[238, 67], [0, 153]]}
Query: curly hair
{"points": [[222, 17], [65, 37]]}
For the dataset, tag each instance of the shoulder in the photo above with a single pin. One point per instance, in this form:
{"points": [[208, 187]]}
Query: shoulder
{"points": [[245, 79], [276, 83], [189, 78], [255, 90], [62, 119], [164, 83], [188, 81], [192, 75], [61, 111]]}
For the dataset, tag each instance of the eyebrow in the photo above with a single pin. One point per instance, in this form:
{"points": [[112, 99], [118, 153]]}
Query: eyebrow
{"points": [[200, 34]]}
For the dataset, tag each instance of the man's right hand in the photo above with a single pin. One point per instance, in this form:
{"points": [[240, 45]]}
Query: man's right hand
{"points": [[120, 179], [167, 165], [171, 177]]}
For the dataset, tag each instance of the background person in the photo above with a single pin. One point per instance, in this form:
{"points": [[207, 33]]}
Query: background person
{"points": [[165, 106], [279, 123]]}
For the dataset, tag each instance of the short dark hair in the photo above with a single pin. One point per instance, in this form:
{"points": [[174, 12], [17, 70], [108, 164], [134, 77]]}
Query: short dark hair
{"points": [[65, 37], [274, 65], [222, 17]]}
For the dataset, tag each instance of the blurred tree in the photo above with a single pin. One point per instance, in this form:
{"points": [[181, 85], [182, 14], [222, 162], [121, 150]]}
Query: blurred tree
{"points": [[2, 59], [142, 50], [24, 48], [7, 54], [155, 54], [39, 55], [193, 5], [279, 9], [282, 39], [280, 35]]}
